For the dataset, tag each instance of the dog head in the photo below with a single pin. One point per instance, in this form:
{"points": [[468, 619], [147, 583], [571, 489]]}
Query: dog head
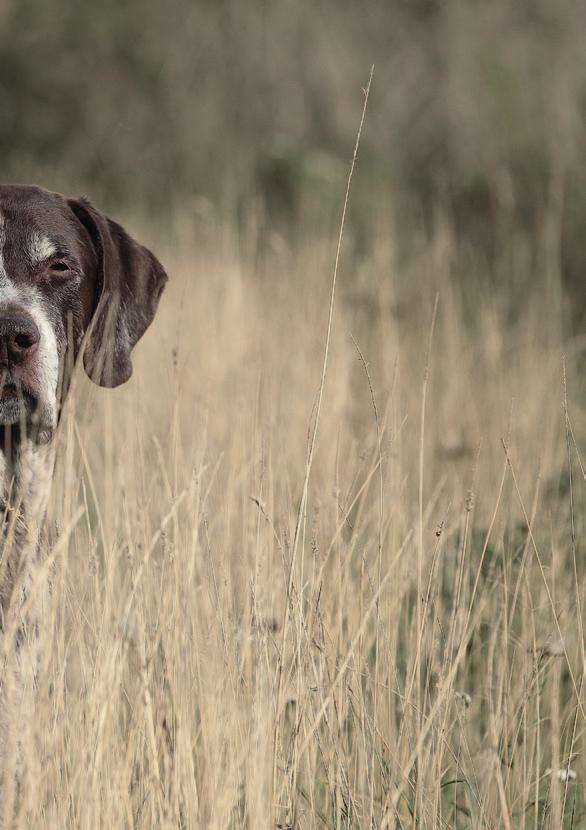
{"points": [[71, 281]]}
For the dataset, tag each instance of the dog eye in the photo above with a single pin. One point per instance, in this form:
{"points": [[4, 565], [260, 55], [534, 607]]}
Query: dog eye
{"points": [[59, 266]]}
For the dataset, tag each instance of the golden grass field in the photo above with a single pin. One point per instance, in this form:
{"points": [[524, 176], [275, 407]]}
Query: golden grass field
{"points": [[413, 655]]}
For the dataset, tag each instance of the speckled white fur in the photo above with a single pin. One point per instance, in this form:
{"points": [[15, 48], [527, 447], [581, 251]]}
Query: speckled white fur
{"points": [[40, 248], [48, 361]]}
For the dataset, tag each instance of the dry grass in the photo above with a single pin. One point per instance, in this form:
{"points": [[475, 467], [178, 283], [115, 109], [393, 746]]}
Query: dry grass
{"points": [[432, 668]]}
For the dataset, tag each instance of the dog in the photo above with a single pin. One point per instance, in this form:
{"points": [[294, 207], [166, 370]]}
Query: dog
{"points": [[73, 286]]}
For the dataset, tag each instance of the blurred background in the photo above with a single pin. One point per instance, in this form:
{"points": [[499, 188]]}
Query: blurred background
{"points": [[477, 120]]}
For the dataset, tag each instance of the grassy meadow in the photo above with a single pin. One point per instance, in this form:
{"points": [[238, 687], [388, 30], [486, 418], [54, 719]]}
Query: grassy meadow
{"points": [[285, 597], [403, 648]]}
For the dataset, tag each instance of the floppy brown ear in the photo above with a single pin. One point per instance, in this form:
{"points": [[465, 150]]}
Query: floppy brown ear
{"points": [[130, 281]]}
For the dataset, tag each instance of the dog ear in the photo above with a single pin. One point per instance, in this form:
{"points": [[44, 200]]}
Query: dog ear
{"points": [[130, 281]]}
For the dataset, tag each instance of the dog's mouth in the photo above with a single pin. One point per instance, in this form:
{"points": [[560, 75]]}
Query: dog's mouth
{"points": [[10, 391], [18, 403]]}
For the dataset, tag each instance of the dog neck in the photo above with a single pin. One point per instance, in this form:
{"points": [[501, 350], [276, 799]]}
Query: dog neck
{"points": [[26, 470]]}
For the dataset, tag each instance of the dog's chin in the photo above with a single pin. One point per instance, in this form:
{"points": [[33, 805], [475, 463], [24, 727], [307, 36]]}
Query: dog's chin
{"points": [[20, 409], [16, 410]]}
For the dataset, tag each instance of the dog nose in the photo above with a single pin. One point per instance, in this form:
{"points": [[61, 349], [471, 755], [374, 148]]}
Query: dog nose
{"points": [[19, 337]]}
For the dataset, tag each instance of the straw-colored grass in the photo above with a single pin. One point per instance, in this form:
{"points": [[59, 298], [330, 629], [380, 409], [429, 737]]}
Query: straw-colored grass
{"points": [[432, 670]]}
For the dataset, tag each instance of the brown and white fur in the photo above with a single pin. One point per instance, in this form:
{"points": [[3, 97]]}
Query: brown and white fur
{"points": [[73, 284]]}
